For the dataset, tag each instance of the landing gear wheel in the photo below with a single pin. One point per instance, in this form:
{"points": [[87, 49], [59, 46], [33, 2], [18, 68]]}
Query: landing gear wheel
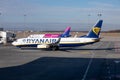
{"points": [[55, 48]]}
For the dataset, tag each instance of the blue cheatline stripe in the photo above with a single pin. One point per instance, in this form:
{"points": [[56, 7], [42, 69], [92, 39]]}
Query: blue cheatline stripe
{"points": [[74, 45], [28, 45]]}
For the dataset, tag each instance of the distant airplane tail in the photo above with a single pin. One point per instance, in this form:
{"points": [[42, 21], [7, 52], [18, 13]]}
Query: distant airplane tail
{"points": [[66, 32], [95, 31]]}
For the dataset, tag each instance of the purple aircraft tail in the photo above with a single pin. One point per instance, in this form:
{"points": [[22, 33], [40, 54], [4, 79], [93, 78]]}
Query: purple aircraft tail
{"points": [[66, 32]]}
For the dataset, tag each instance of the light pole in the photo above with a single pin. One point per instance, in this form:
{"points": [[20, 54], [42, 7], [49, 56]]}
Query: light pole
{"points": [[89, 20], [0, 19], [99, 15], [24, 19], [24, 24]]}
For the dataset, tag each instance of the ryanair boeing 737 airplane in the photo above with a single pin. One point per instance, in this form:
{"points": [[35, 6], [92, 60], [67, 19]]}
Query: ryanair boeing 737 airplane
{"points": [[93, 36]]}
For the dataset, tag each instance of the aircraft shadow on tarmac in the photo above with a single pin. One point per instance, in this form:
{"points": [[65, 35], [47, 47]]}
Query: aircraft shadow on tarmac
{"points": [[73, 48], [87, 48], [54, 68]]}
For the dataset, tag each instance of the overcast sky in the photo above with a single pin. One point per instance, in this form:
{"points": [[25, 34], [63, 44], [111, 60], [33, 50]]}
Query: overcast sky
{"points": [[60, 11]]}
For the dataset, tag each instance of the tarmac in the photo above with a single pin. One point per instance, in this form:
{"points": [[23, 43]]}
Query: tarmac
{"points": [[99, 61]]}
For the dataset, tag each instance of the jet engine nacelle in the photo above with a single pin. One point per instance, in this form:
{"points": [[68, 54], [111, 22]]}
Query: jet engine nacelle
{"points": [[43, 46]]}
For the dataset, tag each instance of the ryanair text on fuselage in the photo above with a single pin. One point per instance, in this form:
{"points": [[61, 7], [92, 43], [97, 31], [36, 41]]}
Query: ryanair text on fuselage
{"points": [[39, 40]]}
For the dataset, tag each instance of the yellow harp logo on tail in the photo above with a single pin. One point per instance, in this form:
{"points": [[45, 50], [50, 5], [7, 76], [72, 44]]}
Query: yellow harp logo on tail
{"points": [[96, 30]]}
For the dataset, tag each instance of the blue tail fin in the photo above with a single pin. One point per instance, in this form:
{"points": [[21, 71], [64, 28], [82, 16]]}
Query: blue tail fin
{"points": [[66, 32], [95, 31]]}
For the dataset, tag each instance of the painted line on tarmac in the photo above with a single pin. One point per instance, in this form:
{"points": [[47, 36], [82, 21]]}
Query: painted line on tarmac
{"points": [[90, 62]]}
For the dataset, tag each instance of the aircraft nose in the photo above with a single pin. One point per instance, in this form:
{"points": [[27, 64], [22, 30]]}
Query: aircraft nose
{"points": [[13, 43]]}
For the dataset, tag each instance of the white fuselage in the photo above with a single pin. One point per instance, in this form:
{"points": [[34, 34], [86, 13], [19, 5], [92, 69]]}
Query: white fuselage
{"points": [[36, 36], [71, 41]]}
